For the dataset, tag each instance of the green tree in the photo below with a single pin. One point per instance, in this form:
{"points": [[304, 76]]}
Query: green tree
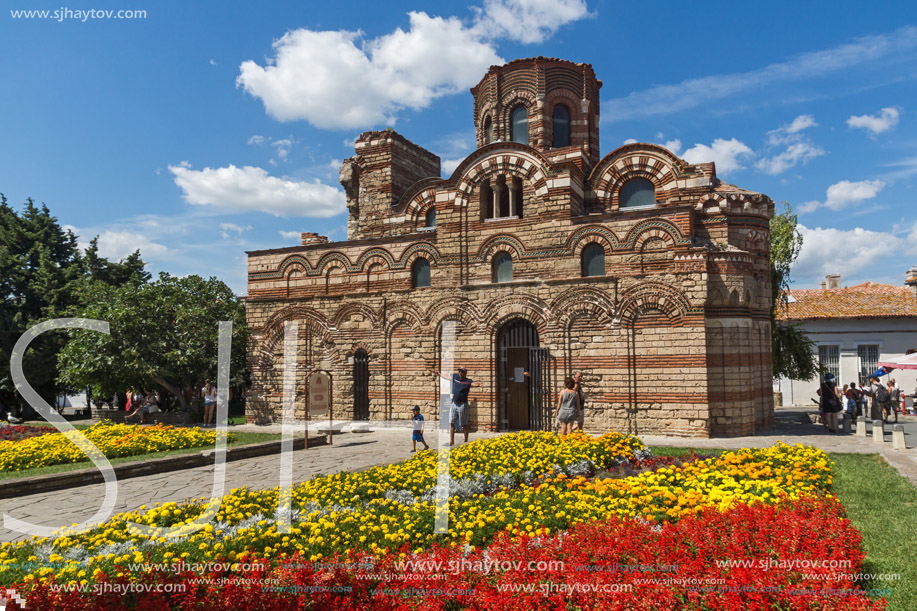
{"points": [[130, 270], [793, 351], [42, 273], [40, 268], [163, 333]]}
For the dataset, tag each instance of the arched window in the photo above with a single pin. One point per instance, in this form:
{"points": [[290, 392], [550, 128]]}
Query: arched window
{"points": [[593, 263], [420, 273], [430, 218], [487, 205], [503, 267], [637, 193], [519, 128], [488, 130], [561, 123]]}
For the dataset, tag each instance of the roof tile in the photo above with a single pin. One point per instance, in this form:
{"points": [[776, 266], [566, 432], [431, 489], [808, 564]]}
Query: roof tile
{"points": [[867, 300]]}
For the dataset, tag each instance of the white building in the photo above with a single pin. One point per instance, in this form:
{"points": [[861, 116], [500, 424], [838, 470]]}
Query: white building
{"points": [[853, 329]]}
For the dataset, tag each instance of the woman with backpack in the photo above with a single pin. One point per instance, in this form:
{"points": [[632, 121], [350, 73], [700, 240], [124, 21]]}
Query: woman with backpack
{"points": [[880, 398], [830, 402]]}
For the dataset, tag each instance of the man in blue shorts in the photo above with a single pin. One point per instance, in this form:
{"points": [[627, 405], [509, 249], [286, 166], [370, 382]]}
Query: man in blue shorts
{"points": [[458, 415]]}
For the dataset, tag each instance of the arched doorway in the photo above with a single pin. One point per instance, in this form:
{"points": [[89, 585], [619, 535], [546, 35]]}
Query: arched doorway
{"points": [[360, 385], [524, 377]]}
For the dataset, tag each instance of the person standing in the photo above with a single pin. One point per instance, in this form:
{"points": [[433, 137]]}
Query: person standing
{"points": [[209, 392], [417, 435], [852, 399], [567, 412], [830, 402], [578, 387], [879, 395], [894, 399], [458, 414]]}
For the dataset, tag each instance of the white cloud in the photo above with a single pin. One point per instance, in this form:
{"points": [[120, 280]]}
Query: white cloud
{"points": [[232, 227], [527, 21], [290, 235], [334, 79], [116, 245], [845, 193], [673, 145], [449, 165], [827, 251], [789, 133], [726, 154], [794, 154], [908, 167], [339, 80], [213, 62], [800, 123], [630, 141], [886, 119], [252, 189], [281, 146], [667, 99], [799, 148]]}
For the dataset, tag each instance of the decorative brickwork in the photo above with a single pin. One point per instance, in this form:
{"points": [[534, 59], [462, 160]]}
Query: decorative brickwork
{"points": [[672, 338]]}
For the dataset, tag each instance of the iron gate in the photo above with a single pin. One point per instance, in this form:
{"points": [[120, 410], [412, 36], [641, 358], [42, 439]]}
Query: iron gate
{"points": [[522, 335], [361, 385], [541, 366]]}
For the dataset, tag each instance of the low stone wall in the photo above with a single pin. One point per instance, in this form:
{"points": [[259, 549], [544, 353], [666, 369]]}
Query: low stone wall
{"points": [[172, 418]]}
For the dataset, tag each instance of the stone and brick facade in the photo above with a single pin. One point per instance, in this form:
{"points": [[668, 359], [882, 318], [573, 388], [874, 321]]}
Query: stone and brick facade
{"points": [[672, 333]]}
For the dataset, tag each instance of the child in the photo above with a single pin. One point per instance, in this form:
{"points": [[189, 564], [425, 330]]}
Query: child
{"points": [[418, 429]]}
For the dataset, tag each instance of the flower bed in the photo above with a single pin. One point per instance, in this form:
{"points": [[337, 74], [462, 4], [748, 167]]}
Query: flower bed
{"points": [[14, 432], [515, 496], [113, 440], [748, 558], [384, 508]]}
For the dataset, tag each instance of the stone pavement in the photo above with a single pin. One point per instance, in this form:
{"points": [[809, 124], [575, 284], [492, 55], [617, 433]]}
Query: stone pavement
{"points": [[353, 451], [350, 451]]}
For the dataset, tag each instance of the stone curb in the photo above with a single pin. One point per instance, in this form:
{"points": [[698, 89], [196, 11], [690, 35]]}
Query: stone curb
{"points": [[83, 477]]}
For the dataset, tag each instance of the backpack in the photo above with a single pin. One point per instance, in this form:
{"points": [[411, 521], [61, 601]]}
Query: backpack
{"points": [[882, 394]]}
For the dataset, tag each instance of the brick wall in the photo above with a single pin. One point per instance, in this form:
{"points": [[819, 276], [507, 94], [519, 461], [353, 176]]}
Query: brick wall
{"points": [[674, 337]]}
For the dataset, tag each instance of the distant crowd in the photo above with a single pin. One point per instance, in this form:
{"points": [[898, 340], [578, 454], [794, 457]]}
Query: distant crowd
{"points": [[880, 400]]}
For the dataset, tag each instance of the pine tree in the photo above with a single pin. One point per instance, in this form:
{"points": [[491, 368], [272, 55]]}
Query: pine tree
{"points": [[42, 275]]}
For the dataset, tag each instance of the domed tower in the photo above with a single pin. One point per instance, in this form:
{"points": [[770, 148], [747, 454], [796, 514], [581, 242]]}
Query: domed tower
{"points": [[549, 104]]}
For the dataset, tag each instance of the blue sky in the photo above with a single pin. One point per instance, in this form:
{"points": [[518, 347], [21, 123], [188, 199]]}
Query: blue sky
{"points": [[205, 129]]}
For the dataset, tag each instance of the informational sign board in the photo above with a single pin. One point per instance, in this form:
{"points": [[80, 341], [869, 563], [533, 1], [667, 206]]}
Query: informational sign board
{"points": [[319, 387], [319, 393]]}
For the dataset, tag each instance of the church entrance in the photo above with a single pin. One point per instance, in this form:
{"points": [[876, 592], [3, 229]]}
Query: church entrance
{"points": [[524, 377], [361, 385]]}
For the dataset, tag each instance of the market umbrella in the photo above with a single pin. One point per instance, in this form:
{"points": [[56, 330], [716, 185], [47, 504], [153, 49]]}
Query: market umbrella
{"points": [[907, 361]]}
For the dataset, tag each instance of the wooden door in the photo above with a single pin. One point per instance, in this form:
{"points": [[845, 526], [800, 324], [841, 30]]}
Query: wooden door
{"points": [[517, 382]]}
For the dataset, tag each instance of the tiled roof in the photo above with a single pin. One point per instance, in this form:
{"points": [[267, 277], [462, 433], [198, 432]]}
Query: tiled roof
{"points": [[867, 300]]}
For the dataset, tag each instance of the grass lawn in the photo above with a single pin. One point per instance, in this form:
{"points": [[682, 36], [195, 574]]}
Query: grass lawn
{"points": [[883, 506], [241, 439]]}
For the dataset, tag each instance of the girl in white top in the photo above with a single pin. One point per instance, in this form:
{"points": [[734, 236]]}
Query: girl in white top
{"points": [[209, 392]]}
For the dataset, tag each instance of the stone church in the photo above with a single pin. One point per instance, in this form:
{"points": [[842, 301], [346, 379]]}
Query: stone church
{"points": [[647, 273]]}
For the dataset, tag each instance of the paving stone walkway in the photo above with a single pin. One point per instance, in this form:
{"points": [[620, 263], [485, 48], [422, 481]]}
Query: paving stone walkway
{"points": [[353, 451]]}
